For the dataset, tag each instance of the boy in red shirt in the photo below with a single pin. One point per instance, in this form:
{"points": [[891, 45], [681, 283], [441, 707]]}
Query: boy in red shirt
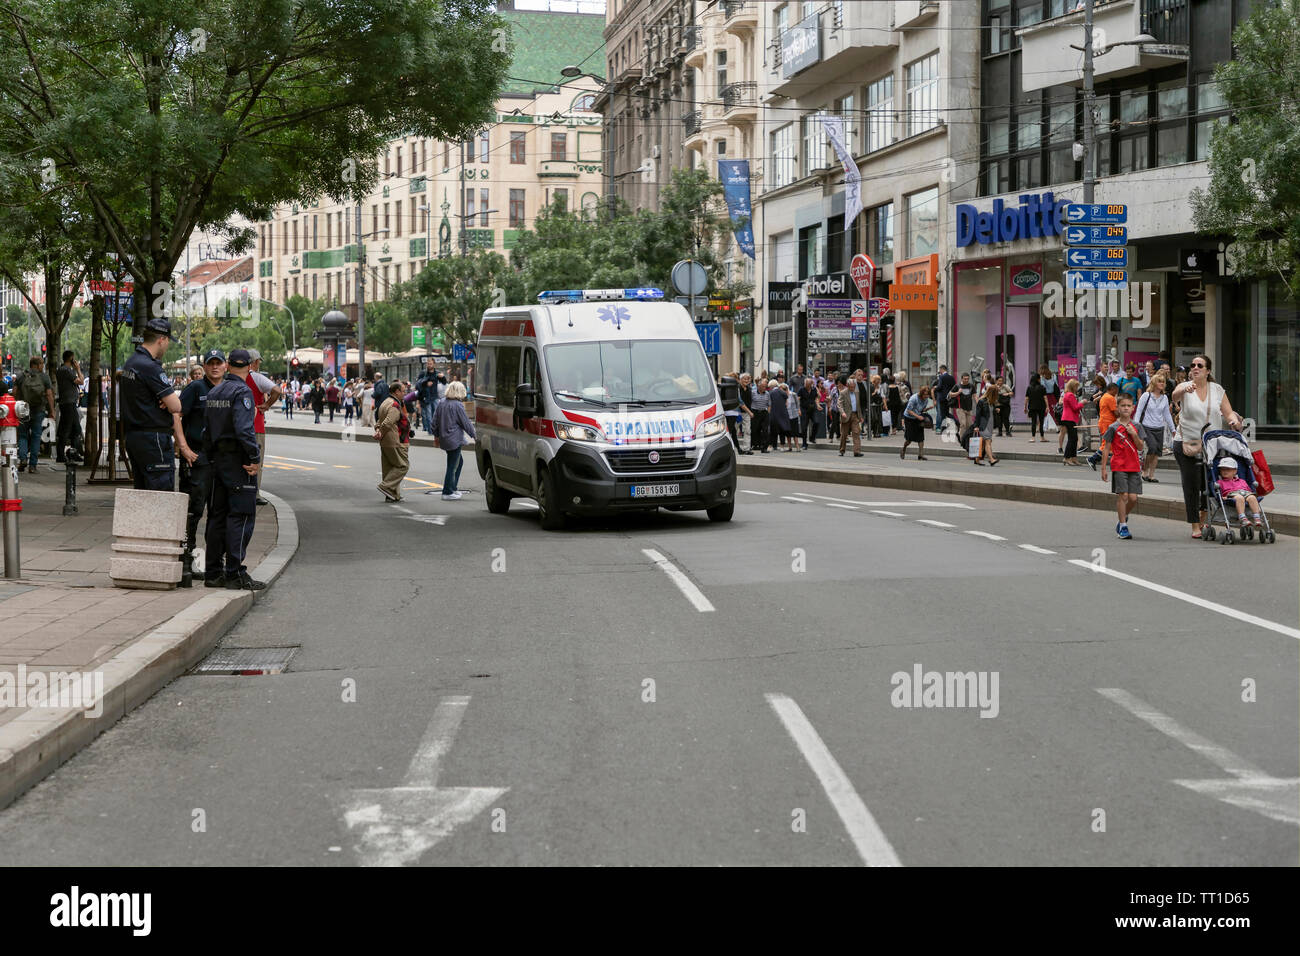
{"points": [[1123, 462]]}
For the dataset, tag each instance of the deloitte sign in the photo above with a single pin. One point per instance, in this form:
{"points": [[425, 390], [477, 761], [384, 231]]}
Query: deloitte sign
{"points": [[1036, 217]]}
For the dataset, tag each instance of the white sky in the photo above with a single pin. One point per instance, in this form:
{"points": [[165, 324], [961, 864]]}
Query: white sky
{"points": [[562, 6]]}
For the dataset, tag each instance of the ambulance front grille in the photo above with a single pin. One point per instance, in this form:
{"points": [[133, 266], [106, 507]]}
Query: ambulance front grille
{"points": [[630, 460]]}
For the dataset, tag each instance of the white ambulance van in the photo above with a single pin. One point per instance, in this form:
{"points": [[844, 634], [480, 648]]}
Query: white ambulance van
{"points": [[598, 401]]}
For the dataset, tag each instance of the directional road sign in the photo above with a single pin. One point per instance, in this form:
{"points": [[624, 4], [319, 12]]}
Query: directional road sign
{"points": [[710, 334], [461, 353], [1096, 212], [1096, 235], [1089, 258], [1096, 278]]}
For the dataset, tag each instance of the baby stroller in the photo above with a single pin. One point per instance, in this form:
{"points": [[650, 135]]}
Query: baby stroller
{"points": [[1219, 445]]}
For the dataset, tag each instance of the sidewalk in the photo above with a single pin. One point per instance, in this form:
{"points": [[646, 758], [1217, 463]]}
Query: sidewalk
{"points": [[65, 615]]}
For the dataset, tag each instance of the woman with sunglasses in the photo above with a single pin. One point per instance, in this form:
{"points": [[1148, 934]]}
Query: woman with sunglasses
{"points": [[1204, 403]]}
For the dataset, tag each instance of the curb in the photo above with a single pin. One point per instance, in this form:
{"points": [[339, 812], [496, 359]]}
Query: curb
{"points": [[36, 743], [1281, 522]]}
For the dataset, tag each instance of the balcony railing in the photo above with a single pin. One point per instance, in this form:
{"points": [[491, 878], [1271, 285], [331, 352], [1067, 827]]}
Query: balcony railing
{"points": [[691, 38], [739, 94], [731, 7], [1166, 20], [692, 122]]}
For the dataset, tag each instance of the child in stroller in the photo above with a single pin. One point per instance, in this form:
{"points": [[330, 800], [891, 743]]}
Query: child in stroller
{"points": [[1230, 476], [1234, 489]]}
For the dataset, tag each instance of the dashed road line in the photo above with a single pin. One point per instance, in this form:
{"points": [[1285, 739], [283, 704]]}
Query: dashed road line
{"points": [[1036, 549], [914, 503], [301, 461], [987, 534], [684, 584], [868, 839], [1190, 599], [802, 501], [834, 504], [746, 491], [889, 514], [935, 524]]}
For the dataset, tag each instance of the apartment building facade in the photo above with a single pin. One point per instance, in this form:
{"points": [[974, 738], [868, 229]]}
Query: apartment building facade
{"points": [[438, 199], [1156, 105], [903, 77]]}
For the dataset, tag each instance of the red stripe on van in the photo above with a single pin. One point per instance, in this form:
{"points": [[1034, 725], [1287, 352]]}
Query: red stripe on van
{"points": [[706, 414], [508, 327], [581, 419]]}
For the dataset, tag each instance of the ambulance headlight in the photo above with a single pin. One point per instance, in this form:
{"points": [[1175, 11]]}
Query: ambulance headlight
{"points": [[571, 432], [714, 426]]}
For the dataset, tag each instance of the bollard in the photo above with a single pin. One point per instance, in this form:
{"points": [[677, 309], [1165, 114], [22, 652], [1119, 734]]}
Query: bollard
{"points": [[10, 505], [70, 458]]}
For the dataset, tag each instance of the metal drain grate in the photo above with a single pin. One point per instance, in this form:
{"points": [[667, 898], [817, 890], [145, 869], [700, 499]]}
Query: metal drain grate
{"points": [[247, 661]]}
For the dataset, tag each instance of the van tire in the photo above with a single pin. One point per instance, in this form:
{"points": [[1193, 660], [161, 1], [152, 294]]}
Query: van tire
{"points": [[722, 512], [497, 498], [548, 511]]}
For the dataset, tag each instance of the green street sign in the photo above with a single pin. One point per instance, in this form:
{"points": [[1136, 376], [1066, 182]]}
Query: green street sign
{"points": [[437, 341], [419, 337]]}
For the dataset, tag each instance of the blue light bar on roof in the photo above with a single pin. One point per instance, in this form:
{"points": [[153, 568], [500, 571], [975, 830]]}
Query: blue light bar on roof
{"points": [[597, 295]]}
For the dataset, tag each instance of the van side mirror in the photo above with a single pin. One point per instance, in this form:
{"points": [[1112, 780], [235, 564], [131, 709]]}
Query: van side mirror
{"points": [[729, 389], [526, 401]]}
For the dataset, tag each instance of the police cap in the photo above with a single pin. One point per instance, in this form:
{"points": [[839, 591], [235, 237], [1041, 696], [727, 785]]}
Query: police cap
{"points": [[240, 358], [214, 355], [159, 325]]}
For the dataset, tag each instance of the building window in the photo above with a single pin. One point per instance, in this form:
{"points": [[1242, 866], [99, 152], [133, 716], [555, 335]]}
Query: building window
{"points": [[812, 251], [387, 222], [1029, 127], [923, 222], [1171, 135], [880, 113], [483, 207], [559, 146], [1209, 100], [814, 142], [467, 150], [446, 156], [880, 233], [516, 208], [783, 156], [517, 148], [398, 210], [562, 197], [720, 65], [424, 155], [399, 161], [844, 108], [923, 94], [484, 146], [469, 208], [722, 149]]}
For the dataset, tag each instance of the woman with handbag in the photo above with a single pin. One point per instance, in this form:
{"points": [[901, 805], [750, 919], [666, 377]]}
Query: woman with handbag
{"points": [[1052, 399], [916, 418], [986, 414], [1205, 407]]}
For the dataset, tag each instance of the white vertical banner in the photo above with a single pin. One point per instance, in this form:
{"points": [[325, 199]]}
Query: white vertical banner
{"points": [[852, 178]]}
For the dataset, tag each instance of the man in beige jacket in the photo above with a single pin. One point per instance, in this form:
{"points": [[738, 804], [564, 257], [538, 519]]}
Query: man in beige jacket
{"points": [[850, 415], [394, 457]]}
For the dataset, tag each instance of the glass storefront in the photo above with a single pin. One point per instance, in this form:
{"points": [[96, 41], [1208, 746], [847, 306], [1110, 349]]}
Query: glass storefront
{"points": [[1278, 358]]}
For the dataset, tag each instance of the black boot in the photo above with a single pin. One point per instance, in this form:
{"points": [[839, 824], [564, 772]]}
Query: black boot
{"points": [[187, 570]]}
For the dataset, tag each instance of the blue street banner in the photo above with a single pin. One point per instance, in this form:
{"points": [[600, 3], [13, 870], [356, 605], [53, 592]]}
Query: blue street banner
{"points": [[1087, 258], [734, 174], [1114, 214], [1096, 235]]}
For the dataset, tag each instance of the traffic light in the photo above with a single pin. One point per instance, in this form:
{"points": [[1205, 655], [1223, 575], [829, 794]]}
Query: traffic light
{"points": [[294, 363]]}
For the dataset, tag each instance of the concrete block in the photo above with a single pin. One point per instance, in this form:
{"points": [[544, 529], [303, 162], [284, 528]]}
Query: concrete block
{"points": [[142, 572], [149, 514], [128, 547]]}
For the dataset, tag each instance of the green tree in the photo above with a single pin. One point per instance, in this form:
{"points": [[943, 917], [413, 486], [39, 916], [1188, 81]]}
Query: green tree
{"points": [[1254, 191], [451, 294], [173, 115]]}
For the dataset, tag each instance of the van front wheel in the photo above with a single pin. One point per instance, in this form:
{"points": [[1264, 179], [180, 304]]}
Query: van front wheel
{"points": [[722, 512], [548, 511], [498, 499]]}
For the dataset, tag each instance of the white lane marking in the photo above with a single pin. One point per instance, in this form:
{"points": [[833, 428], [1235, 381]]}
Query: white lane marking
{"points": [[1251, 788], [399, 824], [1036, 549], [915, 503], [986, 534], [684, 584], [1191, 599], [832, 504], [869, 840], [890, 514], [935, 524], [746, 491], [802, 501], [301, 461], [405, 509], [429, 519]]}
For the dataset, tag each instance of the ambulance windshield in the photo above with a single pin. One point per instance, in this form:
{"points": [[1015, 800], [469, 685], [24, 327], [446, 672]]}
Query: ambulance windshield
{"points": [[632, 372]]}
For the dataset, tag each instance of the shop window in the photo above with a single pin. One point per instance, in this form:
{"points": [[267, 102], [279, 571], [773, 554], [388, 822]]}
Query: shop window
{"points": [[923, 223]]}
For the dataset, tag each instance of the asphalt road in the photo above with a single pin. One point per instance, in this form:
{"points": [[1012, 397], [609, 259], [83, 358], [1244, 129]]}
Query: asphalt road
{"points": [[576, 706]]}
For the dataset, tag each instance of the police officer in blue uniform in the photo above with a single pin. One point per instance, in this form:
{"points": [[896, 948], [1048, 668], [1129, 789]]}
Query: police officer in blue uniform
{"points": [[150, 411], [231, 446], [196, 467]]}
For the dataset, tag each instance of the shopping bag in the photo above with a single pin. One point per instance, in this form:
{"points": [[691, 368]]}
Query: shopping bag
{"points": [[886, 421], [1263, 476], [976, 447]]}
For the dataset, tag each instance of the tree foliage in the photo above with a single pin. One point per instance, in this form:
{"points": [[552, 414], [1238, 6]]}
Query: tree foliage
{"points": [[451, 294], [1254, 191], [168, 114]]}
